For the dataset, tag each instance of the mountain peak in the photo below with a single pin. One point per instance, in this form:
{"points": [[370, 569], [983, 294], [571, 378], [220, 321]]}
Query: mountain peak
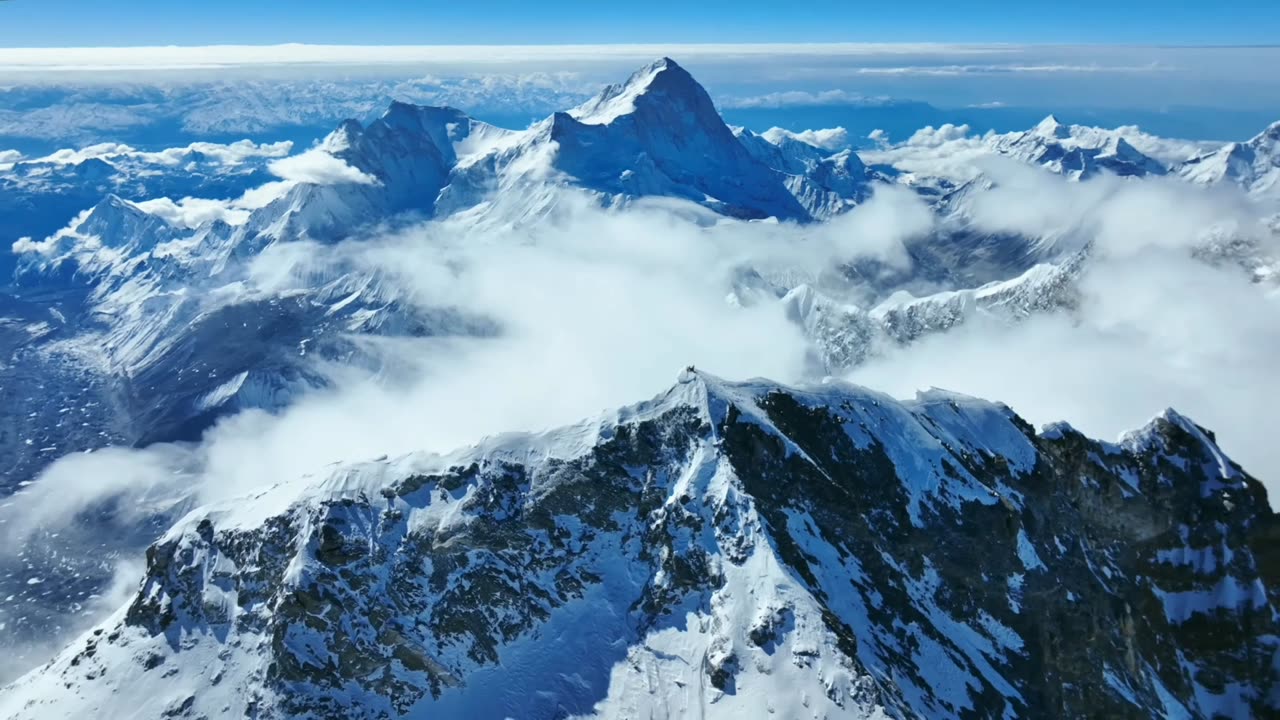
{"points": [[1051, 127], [1117, 146], [1269, 135], [113, 206], [663, 78], [400, 113]]}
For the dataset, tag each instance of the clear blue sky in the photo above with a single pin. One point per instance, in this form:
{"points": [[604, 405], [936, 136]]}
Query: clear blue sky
{"points": [[54, 23]]}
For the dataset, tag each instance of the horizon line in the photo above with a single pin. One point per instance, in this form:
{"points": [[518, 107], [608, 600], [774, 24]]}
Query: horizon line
{"points": [[158, 58]]}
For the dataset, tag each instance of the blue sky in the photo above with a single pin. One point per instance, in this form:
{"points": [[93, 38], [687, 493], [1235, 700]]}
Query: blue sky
{"points": [[54, 23]]}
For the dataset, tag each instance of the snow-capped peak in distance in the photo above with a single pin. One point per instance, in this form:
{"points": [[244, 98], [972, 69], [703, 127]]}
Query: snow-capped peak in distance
{"points": [[662, 81], [1078, 152], [656, 134], [1051, 127], [1253, 164]]}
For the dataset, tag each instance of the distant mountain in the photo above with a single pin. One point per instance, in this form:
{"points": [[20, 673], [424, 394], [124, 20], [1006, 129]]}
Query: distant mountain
{"points": [[657, 134], [724, 550], [846, 335], [1075, 151], [39, 196], [1254, 165], [122, 268]]}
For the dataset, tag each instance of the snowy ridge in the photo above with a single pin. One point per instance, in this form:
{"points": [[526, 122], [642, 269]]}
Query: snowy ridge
{"points": [[1076, 151], [725, 548], [1254, 165], [845, 334]]}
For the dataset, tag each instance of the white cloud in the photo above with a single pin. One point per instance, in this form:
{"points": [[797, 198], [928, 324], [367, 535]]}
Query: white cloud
{"points": [[934, 152], [1119, 216], [627, 313], [933, 137], [263, 195], [194, 212], [75, 156], [317, 167], [952, 70], [836, 138], [791, 98], [1155, 330], [230, 154], [881, 227], [625, 316]]}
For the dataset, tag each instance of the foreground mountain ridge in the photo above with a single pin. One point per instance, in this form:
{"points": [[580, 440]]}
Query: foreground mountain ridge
{"points": [[724, 549]]}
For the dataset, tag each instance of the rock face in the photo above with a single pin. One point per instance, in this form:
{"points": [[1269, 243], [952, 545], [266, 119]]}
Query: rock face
{"points": [[724, 550]]}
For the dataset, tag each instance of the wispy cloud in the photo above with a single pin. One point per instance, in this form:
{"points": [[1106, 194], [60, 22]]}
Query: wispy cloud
{"points": [[791, 98], [230, 154], [950, 70]]}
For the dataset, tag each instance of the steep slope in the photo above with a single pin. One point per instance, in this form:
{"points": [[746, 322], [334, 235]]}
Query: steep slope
{"points": [[409, 155], [657, 134], [108, 239], [825, 183], [725, 550]]}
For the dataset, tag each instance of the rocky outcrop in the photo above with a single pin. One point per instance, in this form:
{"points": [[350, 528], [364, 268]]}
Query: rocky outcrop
{"points": [[727, 548]]}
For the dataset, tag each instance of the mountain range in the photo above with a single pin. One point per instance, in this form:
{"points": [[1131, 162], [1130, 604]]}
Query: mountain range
{"points": [[732, 546], [655, 135]]}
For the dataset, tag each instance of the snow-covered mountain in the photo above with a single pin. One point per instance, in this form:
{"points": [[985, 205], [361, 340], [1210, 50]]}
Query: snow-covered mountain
{"points": [[845, 335], [1076, 151], [826, 183], [657, 134], [724, 550], [40, 195], [1254, 165]]}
